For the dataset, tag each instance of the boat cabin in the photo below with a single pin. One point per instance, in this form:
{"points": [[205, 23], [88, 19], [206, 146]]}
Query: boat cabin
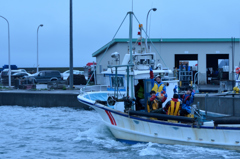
{"points": [[119, 84]]}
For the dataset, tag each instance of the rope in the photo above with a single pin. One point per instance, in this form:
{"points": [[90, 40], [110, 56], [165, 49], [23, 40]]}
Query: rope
{"points": [[150, 41], [106, 50], [113, 40]]}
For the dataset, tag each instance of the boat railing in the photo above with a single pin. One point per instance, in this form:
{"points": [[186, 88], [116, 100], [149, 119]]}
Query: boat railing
{"points": [[93, 88], [162, 116]]}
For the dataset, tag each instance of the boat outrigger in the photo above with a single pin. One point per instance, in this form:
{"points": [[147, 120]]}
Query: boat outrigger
{"points": [[117, 108]]}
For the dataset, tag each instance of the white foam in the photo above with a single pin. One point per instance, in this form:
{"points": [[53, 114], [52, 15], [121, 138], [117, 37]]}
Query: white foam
{"points": [[149, 150], [100, 135], [182, 151]]}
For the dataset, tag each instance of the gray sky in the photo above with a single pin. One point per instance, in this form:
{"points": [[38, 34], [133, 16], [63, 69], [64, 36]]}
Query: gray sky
{"points": [[96, 21]]}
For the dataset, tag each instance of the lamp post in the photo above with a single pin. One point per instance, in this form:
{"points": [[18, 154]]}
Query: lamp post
{"points": [[154, 9], [9, 65], [41, 25]]}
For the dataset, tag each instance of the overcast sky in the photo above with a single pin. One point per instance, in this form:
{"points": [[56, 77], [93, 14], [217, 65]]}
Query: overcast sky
{"points": [[96, 21]]}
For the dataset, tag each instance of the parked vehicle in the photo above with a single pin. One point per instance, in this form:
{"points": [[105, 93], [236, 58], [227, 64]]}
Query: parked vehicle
{"points": [[19, 74], [66, 74], [24, 71], [14, 74], [89, 69], [47, 76], [78, 80]]}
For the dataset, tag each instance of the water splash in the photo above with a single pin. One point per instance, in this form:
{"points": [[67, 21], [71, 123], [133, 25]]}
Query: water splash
{"points": [[100, 135], [29, 132]]}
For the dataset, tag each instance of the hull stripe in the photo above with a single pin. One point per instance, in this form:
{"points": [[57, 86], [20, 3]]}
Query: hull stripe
{"points": [[112, 118], [109, 116]]}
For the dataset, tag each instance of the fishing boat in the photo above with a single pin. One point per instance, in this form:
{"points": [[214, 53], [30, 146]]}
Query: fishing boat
{"points": [[118, 109]]}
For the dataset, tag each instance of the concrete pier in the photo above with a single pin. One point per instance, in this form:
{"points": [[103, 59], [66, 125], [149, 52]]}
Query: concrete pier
{"points": [[41, 98], [68, 98]]}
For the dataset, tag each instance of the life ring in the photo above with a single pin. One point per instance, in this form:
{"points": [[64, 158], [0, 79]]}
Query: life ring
{"points": [[238, 70]]}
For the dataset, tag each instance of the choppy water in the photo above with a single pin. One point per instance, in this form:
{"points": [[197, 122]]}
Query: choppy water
{"points": [[28, 132]]}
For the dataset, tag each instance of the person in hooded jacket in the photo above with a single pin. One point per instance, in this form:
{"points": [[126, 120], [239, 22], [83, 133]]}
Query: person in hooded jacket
{"points": [[139, 94], [187, 100], [157, 85], [173, 107], [155, 103]]}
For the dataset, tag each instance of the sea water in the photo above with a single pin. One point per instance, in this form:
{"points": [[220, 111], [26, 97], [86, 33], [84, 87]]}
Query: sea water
{"points": [[55, 133]]}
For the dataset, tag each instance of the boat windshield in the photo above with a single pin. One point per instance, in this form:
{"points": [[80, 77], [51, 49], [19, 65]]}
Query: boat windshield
{"points": [[96, 96]]}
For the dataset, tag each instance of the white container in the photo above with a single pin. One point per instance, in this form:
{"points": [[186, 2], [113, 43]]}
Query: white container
{"points": [[225, 68]]}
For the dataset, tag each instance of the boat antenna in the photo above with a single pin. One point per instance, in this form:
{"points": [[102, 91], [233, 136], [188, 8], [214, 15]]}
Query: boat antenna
{"points": [[130, 47], [132, 5]]}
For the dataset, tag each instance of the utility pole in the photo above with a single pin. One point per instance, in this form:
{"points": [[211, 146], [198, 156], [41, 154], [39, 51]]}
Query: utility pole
{"points": [[71, 48]]}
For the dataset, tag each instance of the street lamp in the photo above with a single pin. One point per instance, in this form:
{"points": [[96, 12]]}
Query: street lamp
{"points": [[9, 65], [41, 25], [154, 9]]}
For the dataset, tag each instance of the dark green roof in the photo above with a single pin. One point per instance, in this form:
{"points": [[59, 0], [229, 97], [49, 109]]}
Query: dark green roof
{"points": [[164, 40]]}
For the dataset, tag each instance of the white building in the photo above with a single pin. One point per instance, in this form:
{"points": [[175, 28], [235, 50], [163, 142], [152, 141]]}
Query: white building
{"points": [[207, 53]]}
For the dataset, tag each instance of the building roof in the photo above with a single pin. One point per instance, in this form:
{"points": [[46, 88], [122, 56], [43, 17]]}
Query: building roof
{"points": [[164, 40]]}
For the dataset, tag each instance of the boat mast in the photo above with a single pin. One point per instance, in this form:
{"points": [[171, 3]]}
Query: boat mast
{"points": [[130, 49]]}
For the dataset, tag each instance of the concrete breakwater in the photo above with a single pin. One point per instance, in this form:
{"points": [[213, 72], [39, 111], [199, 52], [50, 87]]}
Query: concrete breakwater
{"points": [[41, 99]]}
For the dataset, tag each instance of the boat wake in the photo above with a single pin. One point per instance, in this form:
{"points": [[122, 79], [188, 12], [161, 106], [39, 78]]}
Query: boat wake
{"points": [[180, 151], [101, 137]]}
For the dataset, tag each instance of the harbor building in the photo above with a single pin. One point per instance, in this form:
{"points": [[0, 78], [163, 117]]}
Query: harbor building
{"points": [[212, 58]]}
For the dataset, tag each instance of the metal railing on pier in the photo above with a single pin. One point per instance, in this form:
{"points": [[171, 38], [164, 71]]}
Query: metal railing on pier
{"points": [[227, 104]]}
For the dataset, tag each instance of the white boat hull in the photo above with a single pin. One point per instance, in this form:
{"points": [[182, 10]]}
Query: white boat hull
{"points": [[132, 129]]}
